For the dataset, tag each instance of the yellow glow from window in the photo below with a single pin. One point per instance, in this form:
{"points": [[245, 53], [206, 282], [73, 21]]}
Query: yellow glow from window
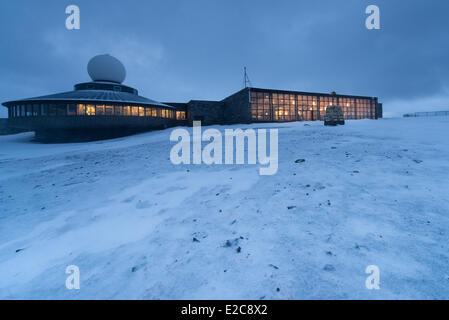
{"points": [[126, 110], [81, 109], [90, 110]]}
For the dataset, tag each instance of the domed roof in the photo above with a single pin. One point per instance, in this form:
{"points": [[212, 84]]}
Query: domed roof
{"points": [[105, 67]]}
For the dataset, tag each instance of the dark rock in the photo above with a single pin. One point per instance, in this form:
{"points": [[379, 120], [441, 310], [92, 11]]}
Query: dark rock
{"points": [[291, 207], [300, 160], [195, 240], [329, 267]]}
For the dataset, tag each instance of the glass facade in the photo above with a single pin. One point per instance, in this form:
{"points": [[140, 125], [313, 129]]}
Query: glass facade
{"points": [[61, 109], [276, 106]]}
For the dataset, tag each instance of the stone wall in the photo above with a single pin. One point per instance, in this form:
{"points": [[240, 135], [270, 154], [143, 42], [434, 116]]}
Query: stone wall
{"points": [[6, 129], [208, 112], [379, 111], [237, 108]]}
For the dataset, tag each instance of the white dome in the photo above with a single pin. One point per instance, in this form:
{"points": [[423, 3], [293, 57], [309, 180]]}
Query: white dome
{"points": [[106, 68]]}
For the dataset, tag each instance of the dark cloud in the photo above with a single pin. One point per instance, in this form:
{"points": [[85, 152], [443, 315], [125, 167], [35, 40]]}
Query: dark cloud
{"points": [[181, 50]]}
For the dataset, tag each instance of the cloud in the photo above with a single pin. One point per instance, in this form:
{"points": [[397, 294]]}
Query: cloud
{"points": [[177, 50], [397, 107]]}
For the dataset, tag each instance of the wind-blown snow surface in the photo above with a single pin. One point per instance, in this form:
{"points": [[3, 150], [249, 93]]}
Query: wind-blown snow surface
{"points": [[369, 192]]}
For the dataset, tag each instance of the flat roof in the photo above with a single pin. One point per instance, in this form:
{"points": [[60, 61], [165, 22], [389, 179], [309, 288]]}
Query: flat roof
{"points": [[309, 93]]}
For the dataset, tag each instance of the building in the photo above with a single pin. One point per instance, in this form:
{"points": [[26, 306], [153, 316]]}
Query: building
{"points": [[105, 108], [99, 109], [269, 105]]}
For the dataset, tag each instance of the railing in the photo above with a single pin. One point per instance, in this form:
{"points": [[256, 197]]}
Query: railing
{"points": [[427, 114]]}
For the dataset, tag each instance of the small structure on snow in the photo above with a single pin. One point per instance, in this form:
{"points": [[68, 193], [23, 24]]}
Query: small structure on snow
{"points": [[334, 116]]}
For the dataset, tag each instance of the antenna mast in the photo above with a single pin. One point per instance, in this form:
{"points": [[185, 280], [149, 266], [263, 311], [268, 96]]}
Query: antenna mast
{"points": [[246, 81]]}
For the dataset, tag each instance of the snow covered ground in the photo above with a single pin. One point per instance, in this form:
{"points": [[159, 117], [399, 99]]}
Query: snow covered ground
{"points": [[139, 227]]}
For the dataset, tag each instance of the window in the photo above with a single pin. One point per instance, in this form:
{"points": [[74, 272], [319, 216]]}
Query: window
{"points": [[71, 109], [135, 111], [52, 110], [29, 110], [180, 115], [90, 109], [154, 112], [61, 109], [36, 108], [81, 109], [44, 109], [148, 112], [109, 110], [141, 112], [99, 111], [126, 111], [118, 110]]}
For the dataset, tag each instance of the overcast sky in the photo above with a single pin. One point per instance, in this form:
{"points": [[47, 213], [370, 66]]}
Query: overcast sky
{"points": [[182, 50]]}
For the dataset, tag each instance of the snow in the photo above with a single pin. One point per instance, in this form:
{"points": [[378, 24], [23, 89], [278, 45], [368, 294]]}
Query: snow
{"points": [[369, 193]]}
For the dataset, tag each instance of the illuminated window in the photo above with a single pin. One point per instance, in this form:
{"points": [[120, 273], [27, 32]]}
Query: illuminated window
{"points": [[148, 112], [154, 112], [108, 110], [141, 112], [135, 111], [81, 110], [180, 115], [118, 110], [126, 110], [90, 109]]}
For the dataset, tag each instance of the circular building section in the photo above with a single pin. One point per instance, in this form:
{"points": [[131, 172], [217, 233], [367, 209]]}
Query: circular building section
{"points": [[94, 110]]}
